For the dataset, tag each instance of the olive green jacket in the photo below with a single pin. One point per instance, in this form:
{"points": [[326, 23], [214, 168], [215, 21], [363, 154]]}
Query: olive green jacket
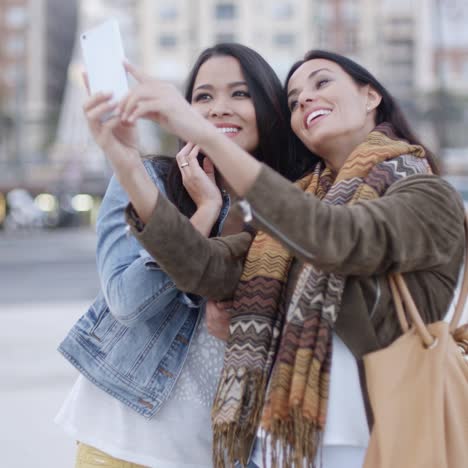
{"points": [[416, 228]]}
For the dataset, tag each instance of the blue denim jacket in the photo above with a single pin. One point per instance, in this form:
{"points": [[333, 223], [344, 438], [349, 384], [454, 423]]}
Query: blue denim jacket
{"points": [[134, 339]]}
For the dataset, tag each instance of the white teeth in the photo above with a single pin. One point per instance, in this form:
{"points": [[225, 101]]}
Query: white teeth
{"points": [[227, 130], [316, 114]]}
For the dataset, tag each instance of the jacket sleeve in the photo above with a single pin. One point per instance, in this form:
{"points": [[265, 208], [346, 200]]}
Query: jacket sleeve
{"points": [[416, 225], [208, 267], [134, 286]]}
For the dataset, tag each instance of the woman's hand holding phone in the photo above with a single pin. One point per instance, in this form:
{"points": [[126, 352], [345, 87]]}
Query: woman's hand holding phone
{"points": [[118, 140]]}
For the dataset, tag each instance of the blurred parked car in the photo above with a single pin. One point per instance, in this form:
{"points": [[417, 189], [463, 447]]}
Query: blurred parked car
{"points": [[22, 212]]}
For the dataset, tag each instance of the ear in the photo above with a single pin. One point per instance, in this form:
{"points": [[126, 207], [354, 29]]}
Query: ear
{"points": [[373, 99]]}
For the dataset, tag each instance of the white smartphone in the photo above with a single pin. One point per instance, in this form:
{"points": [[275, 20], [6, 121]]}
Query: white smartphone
{"points": [[103, 56]]}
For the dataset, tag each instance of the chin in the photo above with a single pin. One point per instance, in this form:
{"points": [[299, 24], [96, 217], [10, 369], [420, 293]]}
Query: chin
{"points": [[320, 138]]}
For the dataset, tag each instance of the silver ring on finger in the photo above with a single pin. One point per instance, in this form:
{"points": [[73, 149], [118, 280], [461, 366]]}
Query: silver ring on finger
{"points": [[185, 164]]}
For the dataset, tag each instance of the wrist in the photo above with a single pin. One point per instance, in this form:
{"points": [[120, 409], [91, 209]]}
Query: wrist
{"points": [[205, 133], [213, 207], [131, 170], [141, 190]]}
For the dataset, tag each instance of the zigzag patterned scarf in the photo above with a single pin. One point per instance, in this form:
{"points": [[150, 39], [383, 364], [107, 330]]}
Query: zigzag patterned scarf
{"points": [[297, 341]]}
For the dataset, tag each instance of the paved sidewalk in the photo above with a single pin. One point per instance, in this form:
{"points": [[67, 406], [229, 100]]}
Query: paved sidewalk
{"points": [[35, 379]]}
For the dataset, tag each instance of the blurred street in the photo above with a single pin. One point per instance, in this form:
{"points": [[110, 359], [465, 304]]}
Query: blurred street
{"points": [[47, 280]]}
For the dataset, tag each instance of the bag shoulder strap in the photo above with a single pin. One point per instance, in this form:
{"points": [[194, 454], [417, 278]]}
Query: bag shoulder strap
{"points": [[464, 289], [404, 301]]}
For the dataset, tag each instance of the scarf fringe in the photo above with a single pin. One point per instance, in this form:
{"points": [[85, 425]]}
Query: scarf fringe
{"points": [[294, 441], [233, 441]]}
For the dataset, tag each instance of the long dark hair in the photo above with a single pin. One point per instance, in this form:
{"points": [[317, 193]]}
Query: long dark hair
{"points": [[387, 111], [278, 146]]}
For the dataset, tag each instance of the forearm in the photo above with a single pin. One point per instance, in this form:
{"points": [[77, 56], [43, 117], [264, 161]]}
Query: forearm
{"points": [[237, 166], [134, 287], [140, 189], [208, 267], [415, 226], [204, 219]]}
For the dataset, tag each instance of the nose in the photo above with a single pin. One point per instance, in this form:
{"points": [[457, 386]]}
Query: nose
{"points": [[306, 96], [219, 108]]}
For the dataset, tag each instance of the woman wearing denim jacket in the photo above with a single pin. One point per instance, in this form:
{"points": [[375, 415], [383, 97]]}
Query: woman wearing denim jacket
{"points": [[149, 368]]}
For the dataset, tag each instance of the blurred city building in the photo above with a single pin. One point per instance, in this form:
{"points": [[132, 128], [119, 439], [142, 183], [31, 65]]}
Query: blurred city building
{"points": [[173, 32], [36, 38], [418, 48], [82, 165]]}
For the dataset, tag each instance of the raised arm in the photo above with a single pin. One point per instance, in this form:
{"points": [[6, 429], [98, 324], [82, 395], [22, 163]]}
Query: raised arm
{"points": [[417, 225], [208, 267]]}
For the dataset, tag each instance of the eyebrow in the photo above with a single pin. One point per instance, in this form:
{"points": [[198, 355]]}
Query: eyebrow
{"points": [[230, 85], [311, 75]]}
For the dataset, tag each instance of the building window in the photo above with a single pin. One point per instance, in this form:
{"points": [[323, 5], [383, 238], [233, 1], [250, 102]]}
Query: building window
{"points": [[168, 12], [225, 37], [167, 41], [282, 10], [284, 40], [225, 11], [15, 17]]}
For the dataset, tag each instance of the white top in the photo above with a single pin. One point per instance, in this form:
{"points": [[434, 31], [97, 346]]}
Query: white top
{"points": [[346, 424], [178, 436]]}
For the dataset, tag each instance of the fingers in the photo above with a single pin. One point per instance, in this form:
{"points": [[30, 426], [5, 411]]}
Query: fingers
{"points": [[135, 104], [100, 110], [109, 126], [96, 100], [217, 320], [146, 99], [142, 92], [135, 72], [96, 109], [143, 109], [208, 166], [181, 156], [187, 160], [192, 157], [209, 169]]}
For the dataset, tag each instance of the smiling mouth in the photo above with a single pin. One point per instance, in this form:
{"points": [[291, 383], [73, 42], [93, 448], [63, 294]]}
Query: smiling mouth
{"points": [[316, 115], [229, 131]]}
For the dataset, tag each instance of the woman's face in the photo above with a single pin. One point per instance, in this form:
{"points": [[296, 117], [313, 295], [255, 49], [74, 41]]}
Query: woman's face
{"points": [[328, 108], [221, 95]]}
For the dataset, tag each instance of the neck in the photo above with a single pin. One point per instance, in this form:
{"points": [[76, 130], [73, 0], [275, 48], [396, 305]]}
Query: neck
{"points": [[336, 152]]}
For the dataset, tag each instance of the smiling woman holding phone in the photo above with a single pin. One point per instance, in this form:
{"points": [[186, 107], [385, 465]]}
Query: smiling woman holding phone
{"points": [[311, 294], [149, 365]]}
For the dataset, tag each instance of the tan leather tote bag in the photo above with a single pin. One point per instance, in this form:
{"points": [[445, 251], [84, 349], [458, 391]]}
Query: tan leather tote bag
{"points": [[418, 390]]}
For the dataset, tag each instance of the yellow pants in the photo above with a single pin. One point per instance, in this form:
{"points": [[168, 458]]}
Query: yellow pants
{"points": [[89, 457]]}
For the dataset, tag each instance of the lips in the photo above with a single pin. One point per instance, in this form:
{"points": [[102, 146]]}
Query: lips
{"points": [[314, 115]]}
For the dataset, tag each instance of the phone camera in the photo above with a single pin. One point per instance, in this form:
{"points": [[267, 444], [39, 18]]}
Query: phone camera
{"points": [[84, 36]]}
